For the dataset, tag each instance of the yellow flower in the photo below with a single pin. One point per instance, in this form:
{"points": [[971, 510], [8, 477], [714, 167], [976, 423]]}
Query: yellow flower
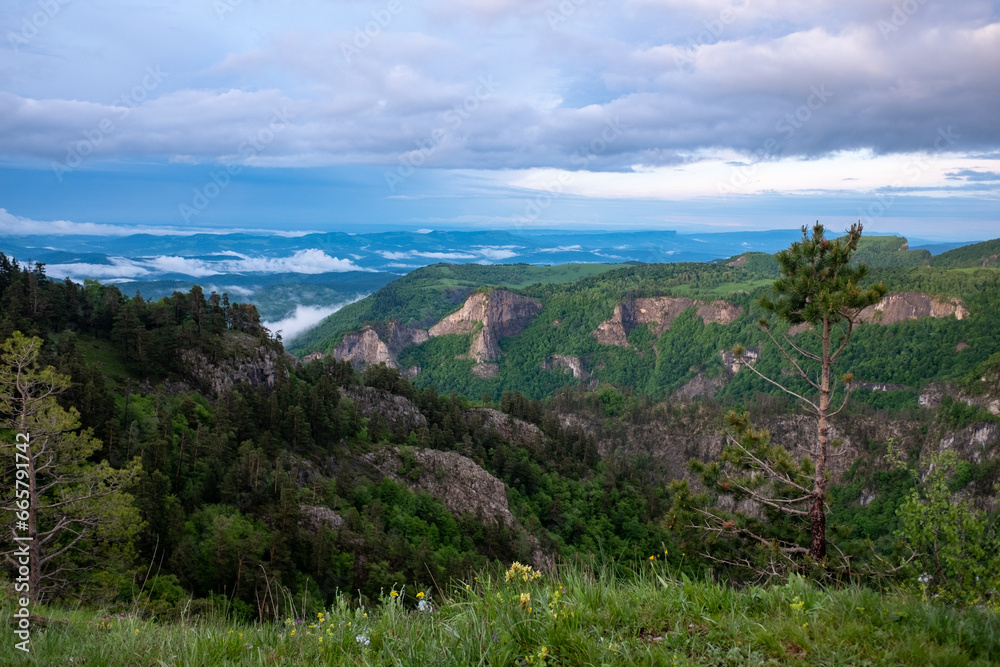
{"points": [[293, 633], [394, 594], [652, 558], [365, 615], [137, 633], [420, 594], [525, 600]]}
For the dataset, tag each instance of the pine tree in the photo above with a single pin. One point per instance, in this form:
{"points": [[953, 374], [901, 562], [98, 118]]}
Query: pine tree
{"points": [[819, 287], [78, 514]]}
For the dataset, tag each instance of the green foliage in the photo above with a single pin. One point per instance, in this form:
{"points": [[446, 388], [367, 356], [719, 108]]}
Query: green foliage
{"points": [[986, 253], [957, 548], [630, 612]]}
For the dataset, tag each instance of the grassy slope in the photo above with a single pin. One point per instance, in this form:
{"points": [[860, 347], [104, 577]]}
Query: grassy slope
{"points": [[646, 617]]}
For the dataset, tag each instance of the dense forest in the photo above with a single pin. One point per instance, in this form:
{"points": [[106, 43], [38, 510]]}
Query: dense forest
{"points": [[257, 476]]}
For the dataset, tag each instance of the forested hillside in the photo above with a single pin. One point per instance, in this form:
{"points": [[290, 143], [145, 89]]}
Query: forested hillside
{"points": [[261, 476], [900, 354]]}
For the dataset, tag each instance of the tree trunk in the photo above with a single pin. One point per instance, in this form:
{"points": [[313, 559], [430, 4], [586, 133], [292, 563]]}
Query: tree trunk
{"points": [[817, 513]]}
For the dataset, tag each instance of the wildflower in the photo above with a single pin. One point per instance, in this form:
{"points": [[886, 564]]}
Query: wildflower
{"points": [[241, 635], [137, 632], [363, 640], [420, 594], [394, 594], [652, 558], [293, 633], [495, 638], [425, 606], [525, 600], [796, 604], [525, 573], [365, 614]]}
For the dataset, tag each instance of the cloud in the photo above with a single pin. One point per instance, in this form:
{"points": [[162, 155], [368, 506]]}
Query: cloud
{"points": [[497, 253], [304, 318], [310, 261], [15, 225]]}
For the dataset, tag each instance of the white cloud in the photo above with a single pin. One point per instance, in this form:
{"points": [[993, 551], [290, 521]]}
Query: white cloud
{"points": [[16, 225], [305, 318], [120, 267]]}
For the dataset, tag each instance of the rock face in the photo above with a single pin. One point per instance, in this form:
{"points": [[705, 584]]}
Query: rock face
{"points": [[903, 306], [491, 317], [566, 361], [660, 312], [371, 346], [932, 394], [486, 371], [399, 412], [732, 365], [508, 427], [313, 518], [243, 359], [461, 486], [700, 386]]}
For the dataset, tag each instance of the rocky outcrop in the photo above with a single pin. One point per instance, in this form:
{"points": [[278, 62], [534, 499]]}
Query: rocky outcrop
{"points": [[903, 306], [461, 486], [507, 427], [565, 361], [399, 412], [378, 345], [312, 518], [660, 312], [491, 316], [732, 364], [243, 358], [700, 386], [933, 394]]}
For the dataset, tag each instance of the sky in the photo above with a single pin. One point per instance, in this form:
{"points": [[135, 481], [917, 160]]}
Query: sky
{"points": [[351, 115]]}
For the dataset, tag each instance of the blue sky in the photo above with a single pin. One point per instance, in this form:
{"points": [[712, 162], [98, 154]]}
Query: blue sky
{"points": [[504, 114]]}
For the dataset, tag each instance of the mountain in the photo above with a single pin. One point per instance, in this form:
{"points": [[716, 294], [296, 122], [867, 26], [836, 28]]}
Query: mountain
{"points": [[660, 329]]}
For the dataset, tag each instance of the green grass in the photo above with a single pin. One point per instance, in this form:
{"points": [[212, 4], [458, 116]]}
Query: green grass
{"points": [[647, 616], [105, 354]]}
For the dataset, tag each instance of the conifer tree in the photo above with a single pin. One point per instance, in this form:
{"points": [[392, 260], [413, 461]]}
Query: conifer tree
{"points": [[78, 513], [819, 288]]}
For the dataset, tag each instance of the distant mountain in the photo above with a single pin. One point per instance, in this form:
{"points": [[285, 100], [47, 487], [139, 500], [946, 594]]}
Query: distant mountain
{"points": [[656, 328]]}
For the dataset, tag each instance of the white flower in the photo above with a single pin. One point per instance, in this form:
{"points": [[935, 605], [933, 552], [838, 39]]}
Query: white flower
{"points": [[924, 578], [425, 606], [363, 640]]}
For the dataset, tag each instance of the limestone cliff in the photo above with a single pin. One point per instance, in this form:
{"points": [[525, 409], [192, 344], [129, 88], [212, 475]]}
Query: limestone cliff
{"points": [[660, 312], [903, 306], [491, 316], [461, 486], [378, 345]]}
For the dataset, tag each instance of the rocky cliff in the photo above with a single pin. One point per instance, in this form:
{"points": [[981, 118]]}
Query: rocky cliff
{"points": [[491, 316], [243, 358], [378, 345], [660, 312], [399, 412], [461, 486], [574, 364], [903, 306]]}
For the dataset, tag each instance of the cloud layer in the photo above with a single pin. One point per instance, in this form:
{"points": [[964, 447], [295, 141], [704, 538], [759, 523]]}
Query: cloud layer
{"points": [[499, 84]]}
